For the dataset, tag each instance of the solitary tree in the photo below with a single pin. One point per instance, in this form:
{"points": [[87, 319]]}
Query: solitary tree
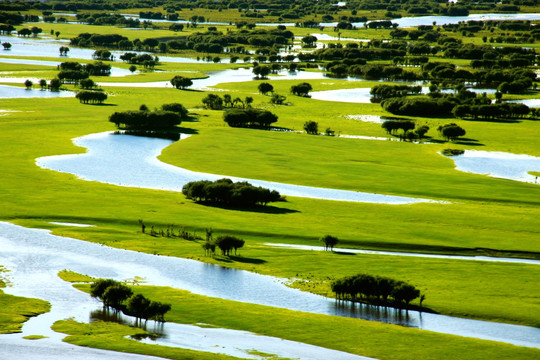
{"points": [[181, 82], [265, 88], [43, 84], [6, 45], [28, 84], [329, 242], [311, 127]]}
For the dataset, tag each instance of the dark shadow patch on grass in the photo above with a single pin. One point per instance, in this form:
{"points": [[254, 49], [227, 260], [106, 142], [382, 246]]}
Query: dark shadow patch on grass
{"points": [[509, 121], [467, 141], [246, 260], [257, 209], [337, 252], [190, 131]]}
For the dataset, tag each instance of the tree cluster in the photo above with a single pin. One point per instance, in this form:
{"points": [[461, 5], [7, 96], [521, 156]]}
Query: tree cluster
{"points": [[146, 120], [93, 97], [249, 117], [120, 297], [374, 289], [227, 192], [382, 92]]}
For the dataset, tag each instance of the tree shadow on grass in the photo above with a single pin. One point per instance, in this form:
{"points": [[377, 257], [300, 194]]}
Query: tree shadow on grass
{"points": [[184, 130], [241, 259], [102, 104], [467, 141], [257, 209], [337, 252]]}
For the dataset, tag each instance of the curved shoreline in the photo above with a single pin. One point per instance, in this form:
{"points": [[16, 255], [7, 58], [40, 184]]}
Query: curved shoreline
{"points": [[111, 159]]}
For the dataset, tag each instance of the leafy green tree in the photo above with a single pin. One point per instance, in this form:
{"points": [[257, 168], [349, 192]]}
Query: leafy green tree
{"points": [[451, 131], [115, 295], [405, 293], [28, 84], [278, 99], [132, 68], [301, 89], [181, 82], [329, 242], [43, 84], [227, 243], [54, 84], [99, 286], [213, 101], [265, 88], [177, 108], [311, 127]]}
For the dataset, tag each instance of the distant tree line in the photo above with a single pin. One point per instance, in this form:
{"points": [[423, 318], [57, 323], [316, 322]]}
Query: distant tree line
{"points": [[227, 192], [381, 92], [120, 297], [374, 289]]}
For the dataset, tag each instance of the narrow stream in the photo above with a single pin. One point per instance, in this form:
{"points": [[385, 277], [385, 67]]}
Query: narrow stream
{"points": [[396, 253]]}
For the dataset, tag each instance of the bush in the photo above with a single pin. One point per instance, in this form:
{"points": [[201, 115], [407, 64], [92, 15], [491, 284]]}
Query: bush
{"points": [[311, 127]]}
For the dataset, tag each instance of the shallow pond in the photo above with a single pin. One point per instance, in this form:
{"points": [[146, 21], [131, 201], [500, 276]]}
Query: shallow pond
{"points": [[49, 47], [13, 92], [498, 164], [115, 71], [230, 76], [35, 257], [532, 103], [132, 161]]}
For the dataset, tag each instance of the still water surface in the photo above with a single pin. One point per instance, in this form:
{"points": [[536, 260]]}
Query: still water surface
{"points": [[132, 161], [35, 257]]}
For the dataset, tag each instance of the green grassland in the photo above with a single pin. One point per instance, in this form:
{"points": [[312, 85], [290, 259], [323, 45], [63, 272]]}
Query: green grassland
{"points": [[504, 218], [482, 215], [351, 335], [15, 310]]}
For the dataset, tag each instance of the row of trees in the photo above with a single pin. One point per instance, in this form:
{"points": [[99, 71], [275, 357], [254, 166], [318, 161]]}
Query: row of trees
{"points": [[381, 92], [374, 289], [492, 111], [249, 117], [227, 192], [120, 297]]}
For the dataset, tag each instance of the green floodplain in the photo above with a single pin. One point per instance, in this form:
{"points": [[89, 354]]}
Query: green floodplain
{"points": [[474, 214]]}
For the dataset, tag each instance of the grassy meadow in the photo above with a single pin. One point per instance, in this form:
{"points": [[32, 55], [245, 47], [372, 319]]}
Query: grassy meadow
{"points": [[474, 215]]}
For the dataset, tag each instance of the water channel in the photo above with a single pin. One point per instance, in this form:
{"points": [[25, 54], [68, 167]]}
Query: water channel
{"points": [[35, 257], [395, 253], [132, 161]]}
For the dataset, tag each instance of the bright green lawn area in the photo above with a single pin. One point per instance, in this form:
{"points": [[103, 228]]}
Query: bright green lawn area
{"points": [[111, 336], [15, 310], [351, 335], [484, 213]]}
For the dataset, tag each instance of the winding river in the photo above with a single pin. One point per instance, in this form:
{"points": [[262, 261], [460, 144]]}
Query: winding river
{"points": [[36, 256], [132, 161]]}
